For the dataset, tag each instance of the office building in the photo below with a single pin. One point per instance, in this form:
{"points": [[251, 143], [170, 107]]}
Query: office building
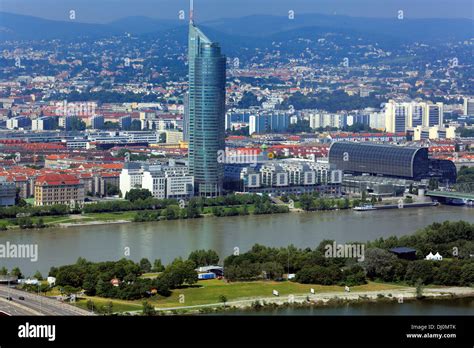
{"points": [[43, 123], [18, 122], [63, 189], [97, 122], [324, 120], [207, 78], [7, 192], [269, 123], [186, 118], [468, 106], [125, 122], [174, 137], [402, 115]]}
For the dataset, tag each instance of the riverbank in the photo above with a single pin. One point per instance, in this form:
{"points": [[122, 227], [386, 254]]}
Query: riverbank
{"points": [[327, 299], [124, 217], [251, 296]]}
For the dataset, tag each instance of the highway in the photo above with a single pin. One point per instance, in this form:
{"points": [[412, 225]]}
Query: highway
{"points": [[34, 304]]}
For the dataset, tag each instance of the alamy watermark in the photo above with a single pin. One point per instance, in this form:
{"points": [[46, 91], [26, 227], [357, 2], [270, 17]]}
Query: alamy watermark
{"points": [[238, 157], [345, 251], [76, 108], [19, 251]]}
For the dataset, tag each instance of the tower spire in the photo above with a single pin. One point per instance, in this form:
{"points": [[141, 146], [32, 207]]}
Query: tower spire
{"points": [[191, 11]]}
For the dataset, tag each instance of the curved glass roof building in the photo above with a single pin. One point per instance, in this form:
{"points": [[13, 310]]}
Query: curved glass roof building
{"points": [[389, 160], [206, 112]]}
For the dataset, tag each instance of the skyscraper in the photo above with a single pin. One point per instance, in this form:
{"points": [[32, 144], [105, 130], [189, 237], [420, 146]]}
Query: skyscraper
{"points": [[206, 103]]}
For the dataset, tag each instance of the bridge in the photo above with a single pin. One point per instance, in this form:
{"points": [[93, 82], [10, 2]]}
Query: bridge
{"points": [[451, 195]]}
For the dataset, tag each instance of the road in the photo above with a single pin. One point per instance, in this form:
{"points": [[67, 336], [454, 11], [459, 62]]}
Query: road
{"points": [[34, 304]]}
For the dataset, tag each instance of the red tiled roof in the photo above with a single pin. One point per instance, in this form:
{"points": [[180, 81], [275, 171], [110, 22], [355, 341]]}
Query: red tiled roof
{"points": [[57, 179]]}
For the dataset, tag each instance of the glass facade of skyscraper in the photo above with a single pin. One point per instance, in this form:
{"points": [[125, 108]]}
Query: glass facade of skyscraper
{"points": [[206, 103]]}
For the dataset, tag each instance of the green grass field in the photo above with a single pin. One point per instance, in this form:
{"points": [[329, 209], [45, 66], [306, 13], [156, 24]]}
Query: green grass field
{"points": [[209, 292]]}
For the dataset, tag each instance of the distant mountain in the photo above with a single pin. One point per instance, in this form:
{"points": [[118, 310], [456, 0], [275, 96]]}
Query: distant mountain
{"points": [[19, 27], [142, 25], [250, 28], [405, 29]]}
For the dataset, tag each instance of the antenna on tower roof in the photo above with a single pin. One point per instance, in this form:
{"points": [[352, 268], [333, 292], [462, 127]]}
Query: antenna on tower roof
{"points": [[191, 11]]}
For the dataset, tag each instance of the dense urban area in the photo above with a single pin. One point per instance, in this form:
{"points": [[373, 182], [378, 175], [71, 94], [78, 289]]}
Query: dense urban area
{"points": [[125, 125]]}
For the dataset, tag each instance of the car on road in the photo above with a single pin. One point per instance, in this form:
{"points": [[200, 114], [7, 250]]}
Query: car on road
{"points": [[21, 298], [9, 298]]}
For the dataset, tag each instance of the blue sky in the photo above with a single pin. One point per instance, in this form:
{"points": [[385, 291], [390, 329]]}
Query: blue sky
{"points": [[100, 11]]}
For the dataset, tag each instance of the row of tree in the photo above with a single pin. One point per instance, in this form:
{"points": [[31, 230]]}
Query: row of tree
{"points": [[454, 240], [95, 278]]}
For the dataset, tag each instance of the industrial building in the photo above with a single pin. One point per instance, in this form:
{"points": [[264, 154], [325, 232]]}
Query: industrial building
{"points": [[390, 160]]}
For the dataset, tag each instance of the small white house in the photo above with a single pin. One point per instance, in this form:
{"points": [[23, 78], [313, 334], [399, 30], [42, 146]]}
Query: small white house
{"points": [[51, 281]]}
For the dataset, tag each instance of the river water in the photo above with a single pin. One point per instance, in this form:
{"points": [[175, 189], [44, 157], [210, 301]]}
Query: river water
{"points": [[170, 239], [460, 306]]}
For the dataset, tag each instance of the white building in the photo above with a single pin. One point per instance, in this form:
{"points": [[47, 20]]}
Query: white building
{"points": [[402, 115], [327, 120], [433, 133], [130, 177], [155, 182], [377, 121]]}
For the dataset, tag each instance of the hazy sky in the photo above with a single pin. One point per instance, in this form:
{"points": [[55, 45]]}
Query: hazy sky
{"points": [[99, 11]]}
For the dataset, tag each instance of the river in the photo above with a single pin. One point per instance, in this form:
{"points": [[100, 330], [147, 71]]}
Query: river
{"points": [[436, 307], [170, 239]]}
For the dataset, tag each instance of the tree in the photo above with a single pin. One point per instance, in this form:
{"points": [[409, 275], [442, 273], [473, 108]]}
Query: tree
{"points": [[111, 190], [40, 223], [223, 299], [204, 258], [89, 284], [420, 270], [171, 212], [3, 271], [467, 274], [19, 201], [364, 196], [16, 272], [109, 307], [76, 124], [273, 270], [419, 289], [158, 266], [379, 263], [145, 265], [148, 309], [306, 202], [38, 275], [179, 272], [136, 194], [192, 210], [248, 99]]}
